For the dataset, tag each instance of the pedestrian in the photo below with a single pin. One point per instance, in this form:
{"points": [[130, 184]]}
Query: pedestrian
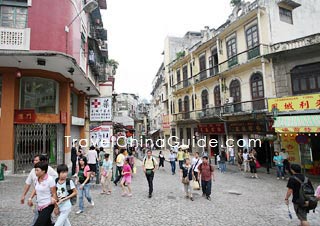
{"points": [[45, 190], [131, 160], [206, 176], [161, 159], [293, 186], [101, 156], [186, 178], [106, 175], [180, 157], [172, 159], [245, 161], [223, 159], [92, 157], [286, 163], [31, 181], [278, 160], [74, 158], [149, 166], [64, 196], [119, 164], [240, 159], [252, 164], [196, 161], [231, 155], [84, 175], [186, 155], [126, 178]]}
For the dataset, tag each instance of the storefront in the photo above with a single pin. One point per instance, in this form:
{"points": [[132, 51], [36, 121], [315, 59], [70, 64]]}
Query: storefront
{"points": [[212, 132]]}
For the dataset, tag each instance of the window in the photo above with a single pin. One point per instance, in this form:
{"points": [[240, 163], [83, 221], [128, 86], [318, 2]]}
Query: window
{"points": [[202, 65], [180, 105], [217, 96], [74, 104], [204, 99], [186, 107], [185, 75], [178, 76], [253, 41], [235, 92], [40, 94], [232, 52], [13, 17], [306, 79], [285, 15], [213, 62], [181, 134], [257, 91]]}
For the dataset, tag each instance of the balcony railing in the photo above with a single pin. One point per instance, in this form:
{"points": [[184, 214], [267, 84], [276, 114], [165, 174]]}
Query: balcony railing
{"points": [[14, 39]]}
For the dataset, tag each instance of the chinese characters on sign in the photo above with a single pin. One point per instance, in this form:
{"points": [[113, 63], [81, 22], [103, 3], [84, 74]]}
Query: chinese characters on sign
{"points": [[100, 109], [24, 116], [246, 127], [165, 121], [295, 103], [215, 128], [100, 136]]}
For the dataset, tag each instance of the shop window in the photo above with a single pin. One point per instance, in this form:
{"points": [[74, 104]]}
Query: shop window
{"points": [[40, 94], [306, 79], [13, 17], [285, 15]]}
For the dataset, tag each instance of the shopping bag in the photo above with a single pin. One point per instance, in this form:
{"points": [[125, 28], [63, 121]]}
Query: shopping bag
{"points": [[258, 164], [195, 185]]}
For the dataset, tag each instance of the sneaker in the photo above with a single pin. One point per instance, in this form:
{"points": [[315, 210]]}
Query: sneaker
{"points": [[129, 195], [209, 198], [149, 196], [92, 203], [278, 178], [191, 198], [282, 178], [79, 211], [124, 194], [109, 193]]}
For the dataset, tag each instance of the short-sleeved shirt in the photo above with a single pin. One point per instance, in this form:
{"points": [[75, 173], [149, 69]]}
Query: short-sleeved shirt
{"points": [[43, 190], [107, 165], [279, 160], [180, 156], [245, 156], [284, 155], [120, 160], [195, 164], [92, 157], [101, 156], [83, 173], [206, 171], [231, 151], [126, 168], [62, 193], [31, 179], [150, 163], [172, 157], [295, 185]]}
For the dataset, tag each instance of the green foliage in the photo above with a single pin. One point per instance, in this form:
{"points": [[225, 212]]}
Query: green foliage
{"points": [[180, 54], [235, 2], [114, 64]]}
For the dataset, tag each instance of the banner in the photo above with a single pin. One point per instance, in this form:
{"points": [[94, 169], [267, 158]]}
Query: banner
{"points": [[100, 109], [292, 148], [101, 136], [295, 103], [165, 121]]}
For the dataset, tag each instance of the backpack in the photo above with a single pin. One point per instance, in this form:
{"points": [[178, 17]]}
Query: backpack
{"points": [[145, 159], [307, 198], [73, 200]]}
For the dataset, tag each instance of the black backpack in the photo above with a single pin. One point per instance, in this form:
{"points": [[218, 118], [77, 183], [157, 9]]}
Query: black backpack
{"points": [[307, 198], [73, 200]]}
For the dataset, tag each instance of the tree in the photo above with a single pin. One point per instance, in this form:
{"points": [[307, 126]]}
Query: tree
{"points": [[114, 64], [235, 2]]}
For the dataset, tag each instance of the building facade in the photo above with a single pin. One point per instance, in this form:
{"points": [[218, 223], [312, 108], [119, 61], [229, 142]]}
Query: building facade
{"points": [[49, 65]]}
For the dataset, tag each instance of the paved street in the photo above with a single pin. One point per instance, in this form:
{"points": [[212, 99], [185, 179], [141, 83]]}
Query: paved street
{"points": [[260, 203]]}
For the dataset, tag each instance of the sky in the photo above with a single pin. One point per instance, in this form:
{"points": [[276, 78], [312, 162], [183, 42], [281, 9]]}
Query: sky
{"points": [[137, 30]]}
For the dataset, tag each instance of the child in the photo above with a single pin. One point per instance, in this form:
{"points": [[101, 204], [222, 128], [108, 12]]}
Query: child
{"points": [[64, 195], [126, 180], [317, 194], [106, 174]]}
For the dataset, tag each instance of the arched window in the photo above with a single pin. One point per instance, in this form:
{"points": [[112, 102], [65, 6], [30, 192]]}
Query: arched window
{"points": [[204, 99], [180, 105], [186, 106], [217, 96], [257, 91], [235, 92]]}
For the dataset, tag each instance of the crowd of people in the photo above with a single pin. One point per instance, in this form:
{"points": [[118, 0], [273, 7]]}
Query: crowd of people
{"points": [[55, 192]]}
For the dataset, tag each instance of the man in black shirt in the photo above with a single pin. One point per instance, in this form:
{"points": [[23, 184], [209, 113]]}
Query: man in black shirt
{"points": [[74, 157], [293, 189]]}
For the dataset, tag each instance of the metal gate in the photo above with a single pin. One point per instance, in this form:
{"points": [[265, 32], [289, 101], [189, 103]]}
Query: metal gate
{"points": [[32, 139]]}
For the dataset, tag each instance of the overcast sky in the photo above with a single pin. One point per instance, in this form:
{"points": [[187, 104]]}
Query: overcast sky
{"points": [[137, 30]]}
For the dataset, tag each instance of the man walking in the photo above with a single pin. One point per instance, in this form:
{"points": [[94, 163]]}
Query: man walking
{"points": [[172, 159], [149, 166], [74, 158], [231, 155], [293, 186], [119, 163], [196, 161], [206, 172]]}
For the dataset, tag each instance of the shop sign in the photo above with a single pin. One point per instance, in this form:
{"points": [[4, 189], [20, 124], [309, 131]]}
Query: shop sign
{"points": [[295, 103], [298, 130], [63, 117], [213, 128], [165, 121], [100, 109], [302, 139], [246, 127], [24, 116]]}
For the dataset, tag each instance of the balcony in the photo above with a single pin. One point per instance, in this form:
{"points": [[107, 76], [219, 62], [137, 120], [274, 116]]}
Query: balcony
{"points": [[245, 106], [14, 39]]}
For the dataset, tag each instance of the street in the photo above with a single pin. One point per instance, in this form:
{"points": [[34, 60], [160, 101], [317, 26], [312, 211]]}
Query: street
{"points": [[257, 202]]}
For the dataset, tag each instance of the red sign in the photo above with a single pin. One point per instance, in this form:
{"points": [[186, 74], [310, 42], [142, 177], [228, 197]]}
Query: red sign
{"points": [[24, 116], [302, 139], [214, 128], [63, 117]]}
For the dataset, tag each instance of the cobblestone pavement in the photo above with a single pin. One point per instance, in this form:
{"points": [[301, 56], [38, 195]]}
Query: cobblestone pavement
{"points": [[260, 202]]}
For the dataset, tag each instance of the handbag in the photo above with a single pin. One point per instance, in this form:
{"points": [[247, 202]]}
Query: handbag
{"points": [[258, 165], [195, 185], [185, 180]]}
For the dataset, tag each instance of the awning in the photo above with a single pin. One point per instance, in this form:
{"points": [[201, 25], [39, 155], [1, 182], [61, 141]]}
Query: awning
{"points": [[297, 124], [153, 131]]}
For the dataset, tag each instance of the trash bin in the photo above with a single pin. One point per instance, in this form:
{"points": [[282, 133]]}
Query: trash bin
{"points": [[2, 167]]}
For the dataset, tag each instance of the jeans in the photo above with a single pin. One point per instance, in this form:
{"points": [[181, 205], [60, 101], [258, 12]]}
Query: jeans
{"points": [[44, 218], [173, 166], [119, 170], [280, 171], [188, 189], [86, 192], [206, 187], [63, 218], [223, 167], [150, 181], [36, 215], [231, 160]]}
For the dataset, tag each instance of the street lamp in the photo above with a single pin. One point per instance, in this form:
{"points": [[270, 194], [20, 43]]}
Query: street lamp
{"points": [[88, 8]]}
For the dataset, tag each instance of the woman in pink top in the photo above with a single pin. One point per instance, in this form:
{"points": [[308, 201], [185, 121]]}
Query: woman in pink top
{"points": [[318, 193], [126, 179]]}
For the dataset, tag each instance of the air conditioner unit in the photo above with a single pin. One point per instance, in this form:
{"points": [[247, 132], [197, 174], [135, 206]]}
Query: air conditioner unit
{"points": [[229, 100]]}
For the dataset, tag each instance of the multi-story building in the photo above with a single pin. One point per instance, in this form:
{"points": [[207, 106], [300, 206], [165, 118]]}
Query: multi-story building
{"points": [[221, 85], [49, 64]]}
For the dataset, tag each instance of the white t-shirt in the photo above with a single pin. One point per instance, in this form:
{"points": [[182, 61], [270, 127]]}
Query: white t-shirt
{"points": [[92, 156], [62, 193], [32, 178], [284, 155], [120, 160], [231, 151], [195, 165], [245, 156], [43, 190]]}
